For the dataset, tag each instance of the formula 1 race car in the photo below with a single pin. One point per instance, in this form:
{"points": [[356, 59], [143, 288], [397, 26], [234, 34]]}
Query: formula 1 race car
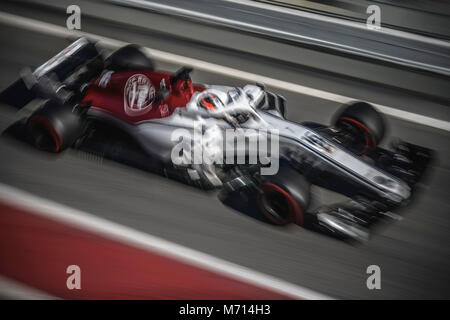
{"points": [[123, 109]]}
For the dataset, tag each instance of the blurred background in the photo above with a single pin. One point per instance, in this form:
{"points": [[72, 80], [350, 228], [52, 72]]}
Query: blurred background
{"points": [[404, 68], [427, 17]]}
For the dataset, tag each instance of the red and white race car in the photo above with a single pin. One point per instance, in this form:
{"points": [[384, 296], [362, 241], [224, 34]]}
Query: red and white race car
{"points": [[123, 109]]}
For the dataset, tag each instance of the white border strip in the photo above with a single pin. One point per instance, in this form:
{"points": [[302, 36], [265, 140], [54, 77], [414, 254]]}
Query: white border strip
{"points": [[91, 223], [59, 31], [11, 289]]}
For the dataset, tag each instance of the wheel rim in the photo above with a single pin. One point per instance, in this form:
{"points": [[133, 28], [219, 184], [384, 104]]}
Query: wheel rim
{"points": [[369, 140], [278, 206], [43, 135]]}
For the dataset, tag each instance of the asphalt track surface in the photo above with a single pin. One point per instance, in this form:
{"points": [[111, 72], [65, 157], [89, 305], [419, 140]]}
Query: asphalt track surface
{"points": [[413, 254]]}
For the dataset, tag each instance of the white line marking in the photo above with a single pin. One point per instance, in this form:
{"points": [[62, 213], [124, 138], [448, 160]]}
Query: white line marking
{"points": [[117, 232], [11, 289], [59, 31]]}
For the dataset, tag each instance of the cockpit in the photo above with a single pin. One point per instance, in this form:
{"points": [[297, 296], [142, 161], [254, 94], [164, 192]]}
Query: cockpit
{"points": [[215, 100], [230, 104], [210, 102]]}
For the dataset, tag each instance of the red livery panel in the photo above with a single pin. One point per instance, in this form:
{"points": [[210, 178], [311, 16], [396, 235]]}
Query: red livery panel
{"points": [[132, 96]]}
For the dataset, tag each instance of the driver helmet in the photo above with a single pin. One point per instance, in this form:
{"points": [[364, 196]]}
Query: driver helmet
{"points": [[210, 102]]}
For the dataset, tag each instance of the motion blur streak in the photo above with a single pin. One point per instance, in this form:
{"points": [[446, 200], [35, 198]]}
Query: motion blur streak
{"points": [[48, 237], [59, 31], [282, 31]]}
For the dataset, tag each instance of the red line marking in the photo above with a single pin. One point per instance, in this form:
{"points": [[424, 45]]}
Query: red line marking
{"points": [[37, 251]]}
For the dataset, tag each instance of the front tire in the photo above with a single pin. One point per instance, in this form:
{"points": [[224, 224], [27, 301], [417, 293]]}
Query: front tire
{"points": [[364, 122], [284, 197]]}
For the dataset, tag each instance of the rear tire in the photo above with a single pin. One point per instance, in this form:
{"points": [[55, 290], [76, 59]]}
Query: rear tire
{"points": [[127, 58], [284, 197], [53, 128]]}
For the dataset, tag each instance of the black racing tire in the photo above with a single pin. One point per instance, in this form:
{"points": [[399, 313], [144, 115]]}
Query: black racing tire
{"points": [[284, 198], [53, 128], [129, 57], [369, 122]]}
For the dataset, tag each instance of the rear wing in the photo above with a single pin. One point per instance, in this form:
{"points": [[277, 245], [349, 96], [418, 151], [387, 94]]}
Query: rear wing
{"points": [[62, 65]]}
